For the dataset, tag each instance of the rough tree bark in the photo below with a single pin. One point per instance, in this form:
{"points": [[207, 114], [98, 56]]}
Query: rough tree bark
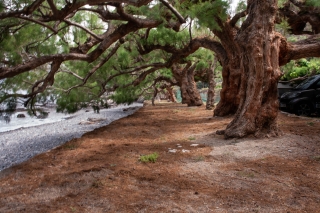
{"points": [[155, 93], [185, 78], [212, 85], [231, 74], [260, 72], [171, 95]]}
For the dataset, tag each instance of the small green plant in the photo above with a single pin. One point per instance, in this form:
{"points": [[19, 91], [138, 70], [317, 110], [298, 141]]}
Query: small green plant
{"points": [[73, 209], [247, 174], [316, 158], [71, 146], [149, 158], [310, 123], [175, 111], [191, 138], [199, 158]]}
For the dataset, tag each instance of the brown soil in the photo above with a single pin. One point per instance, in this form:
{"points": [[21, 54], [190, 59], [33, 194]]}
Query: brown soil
{"points": [[100, 172]]}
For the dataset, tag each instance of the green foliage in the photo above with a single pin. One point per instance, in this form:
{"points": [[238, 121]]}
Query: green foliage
{"points": [[242, 5], [204, 12], [1, 6], [70, 103], [199, 158], [283, 27], [164, 36], [145, 11], [281, 3], [191, 138], [125, 95], [10, 105], [313, 3], [300, 68], [149, 158]]}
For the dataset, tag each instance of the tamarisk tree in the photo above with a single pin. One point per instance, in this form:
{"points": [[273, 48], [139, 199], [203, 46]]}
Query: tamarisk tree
{"points": [[97, 46], [252, 53], [44, 41]]}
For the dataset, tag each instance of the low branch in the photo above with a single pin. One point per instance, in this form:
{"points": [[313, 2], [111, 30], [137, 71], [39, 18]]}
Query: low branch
{"points": [[72, 73], [26, 10], [236, 18], [309, 47], [92, 71], [174, 11], [83, 28], [38, 22]]}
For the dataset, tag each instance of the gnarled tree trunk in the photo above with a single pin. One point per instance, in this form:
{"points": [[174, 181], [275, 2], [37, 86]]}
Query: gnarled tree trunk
{"points": [[212, 85], [229, 94], [155, 93], [231, 73], [260, 72], [171, 95], [189, 92]]}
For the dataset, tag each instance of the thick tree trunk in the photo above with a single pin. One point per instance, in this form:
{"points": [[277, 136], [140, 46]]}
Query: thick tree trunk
{"points": [[171, 94], [211, 87], [155, 93], [189, 92], [260, 72], [231, 73], [229, 94]]}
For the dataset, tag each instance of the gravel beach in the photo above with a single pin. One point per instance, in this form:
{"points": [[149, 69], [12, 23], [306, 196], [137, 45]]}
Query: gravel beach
{"points": [[19, 145]]}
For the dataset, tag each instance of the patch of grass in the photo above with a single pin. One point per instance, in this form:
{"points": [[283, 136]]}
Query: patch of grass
{"points": [[73, 209], [70, 146], [191, 138], [246, 174], [175, 111], [199, 158], [316, 158], [149, 158], [310, 123]]}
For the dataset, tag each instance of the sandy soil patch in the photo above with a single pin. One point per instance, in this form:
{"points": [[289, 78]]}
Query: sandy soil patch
{"points": [[100, 172]]}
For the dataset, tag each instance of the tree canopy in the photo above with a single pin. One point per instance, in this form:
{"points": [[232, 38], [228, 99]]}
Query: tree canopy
{"points": [[78, 51]]}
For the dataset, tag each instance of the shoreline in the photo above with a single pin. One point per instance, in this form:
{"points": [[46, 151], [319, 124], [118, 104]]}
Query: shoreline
{"points": [[19, 145]]}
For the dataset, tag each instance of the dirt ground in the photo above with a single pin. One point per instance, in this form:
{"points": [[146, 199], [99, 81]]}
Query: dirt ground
{"points": [[101, 171]]}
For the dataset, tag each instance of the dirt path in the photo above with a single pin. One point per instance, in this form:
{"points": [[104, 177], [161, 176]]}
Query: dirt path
{"points": [[100, 172]]}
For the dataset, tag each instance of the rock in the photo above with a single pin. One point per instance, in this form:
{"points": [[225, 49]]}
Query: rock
{"points": [[21, 115]]}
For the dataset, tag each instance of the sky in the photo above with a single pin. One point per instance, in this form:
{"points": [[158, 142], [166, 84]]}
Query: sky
{"points": [[234, 4]]}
